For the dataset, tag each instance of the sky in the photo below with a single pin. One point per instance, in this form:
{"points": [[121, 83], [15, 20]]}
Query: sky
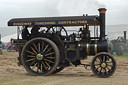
{"points": [[117, 12]]}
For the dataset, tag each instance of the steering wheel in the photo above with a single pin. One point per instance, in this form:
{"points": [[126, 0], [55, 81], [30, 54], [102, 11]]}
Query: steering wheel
{"points": [[55, 29]]}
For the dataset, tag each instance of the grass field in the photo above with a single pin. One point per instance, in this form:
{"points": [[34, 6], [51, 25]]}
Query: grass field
{"points": [[122, 56]]}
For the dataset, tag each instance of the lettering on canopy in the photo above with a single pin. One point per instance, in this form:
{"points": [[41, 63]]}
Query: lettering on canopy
{"points": [[61, 22], [25, 23], [51, 23], [72, 22], [45, 23]]}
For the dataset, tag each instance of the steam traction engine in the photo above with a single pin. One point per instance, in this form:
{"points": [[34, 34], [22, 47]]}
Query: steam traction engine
{"points": [[49, 51]]}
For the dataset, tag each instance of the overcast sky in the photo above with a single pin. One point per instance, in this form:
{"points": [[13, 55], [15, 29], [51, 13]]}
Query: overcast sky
{"points": [[117, 10]]}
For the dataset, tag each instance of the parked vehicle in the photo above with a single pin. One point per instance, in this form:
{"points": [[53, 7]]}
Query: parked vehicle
{"points": [[12, 46], [49, 51], [120, 45]]}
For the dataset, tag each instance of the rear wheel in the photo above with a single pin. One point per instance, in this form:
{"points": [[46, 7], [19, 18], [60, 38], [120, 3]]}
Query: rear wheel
{"points": [[103, 65], [58, 69], [40, 56]]}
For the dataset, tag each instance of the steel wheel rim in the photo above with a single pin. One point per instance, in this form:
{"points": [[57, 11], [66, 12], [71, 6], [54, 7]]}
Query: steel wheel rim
{"points": [[58, 69], [104, 65], [40, 57]]}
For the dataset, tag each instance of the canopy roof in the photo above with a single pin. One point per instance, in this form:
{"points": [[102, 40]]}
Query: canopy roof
{"points": [[55, 21]]}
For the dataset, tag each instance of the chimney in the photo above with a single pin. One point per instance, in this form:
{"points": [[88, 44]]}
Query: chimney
{"points": [[124, 35], [102, 23]]}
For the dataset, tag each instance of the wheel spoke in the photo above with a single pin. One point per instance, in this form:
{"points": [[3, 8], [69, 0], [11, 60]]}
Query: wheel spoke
{"points": [[30, 56], [101, 70], [108, 68], [51, 57], [50, 54], [32, 63], [105, 70], [47, 64], [107, 58], [37, 67], [39, 46], [110, 65], [30, 59], [49, 60], [31, 52], [98, 67], [48, 50], [34, 50], [41, 68], [97, 64], [44, 66], [100, 59], [42, 46], [45, 48], [35, 47], [97, 61], [109, 62], [103, 58]]}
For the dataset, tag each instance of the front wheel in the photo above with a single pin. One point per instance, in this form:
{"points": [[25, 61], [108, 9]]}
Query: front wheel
{"points": [[40, 56], [103, 65]]}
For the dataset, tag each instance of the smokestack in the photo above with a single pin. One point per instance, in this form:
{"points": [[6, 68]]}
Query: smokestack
{"points": [[124, 35], [102, 22]]}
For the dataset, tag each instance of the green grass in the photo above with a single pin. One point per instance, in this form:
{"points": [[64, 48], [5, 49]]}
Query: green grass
{"points": [[122, 56]]}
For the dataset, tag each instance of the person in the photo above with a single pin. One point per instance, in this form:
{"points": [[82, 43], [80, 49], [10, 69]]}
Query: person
{"points": [[25, 33], [35, 31]]}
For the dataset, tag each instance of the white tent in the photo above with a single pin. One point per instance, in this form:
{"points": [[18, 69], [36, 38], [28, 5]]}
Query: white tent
{"points": [[7, 38]]}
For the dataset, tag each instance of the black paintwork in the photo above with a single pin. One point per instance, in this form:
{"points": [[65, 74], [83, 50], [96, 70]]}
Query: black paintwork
{"points": [[48, 21]]}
